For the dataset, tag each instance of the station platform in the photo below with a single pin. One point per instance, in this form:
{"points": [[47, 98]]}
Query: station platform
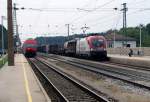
{"points": [[133, 57], [19, 84], [141, 61]]}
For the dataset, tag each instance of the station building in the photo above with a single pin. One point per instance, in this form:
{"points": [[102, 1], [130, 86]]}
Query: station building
{"points": [[120, 41]]}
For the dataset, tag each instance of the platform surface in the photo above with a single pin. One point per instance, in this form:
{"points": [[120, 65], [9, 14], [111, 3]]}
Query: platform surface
{"points": [[19, 84], [145, 58]]}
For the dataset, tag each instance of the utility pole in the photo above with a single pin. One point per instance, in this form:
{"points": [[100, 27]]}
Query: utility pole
{"points": [[68, 27], [125, 9], [48, 29], [10, 34], [73, 31], [85, 28]]}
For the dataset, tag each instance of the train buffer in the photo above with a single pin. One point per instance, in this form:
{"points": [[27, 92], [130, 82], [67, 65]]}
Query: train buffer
{"points": [[19, 83]]}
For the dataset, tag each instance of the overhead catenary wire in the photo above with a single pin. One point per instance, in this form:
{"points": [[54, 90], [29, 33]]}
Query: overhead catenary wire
{"points": [[139, 10], [94, 9], [76, 19], [136, 2], [75, 14], [106, 20], [77, 11], [88, 12]]}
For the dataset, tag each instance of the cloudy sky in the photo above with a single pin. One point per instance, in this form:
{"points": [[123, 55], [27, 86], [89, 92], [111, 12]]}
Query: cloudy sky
{"points": [[49, 17]]}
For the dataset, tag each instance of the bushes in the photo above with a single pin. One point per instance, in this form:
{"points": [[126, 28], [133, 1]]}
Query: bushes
{"points": [[3, 60]]}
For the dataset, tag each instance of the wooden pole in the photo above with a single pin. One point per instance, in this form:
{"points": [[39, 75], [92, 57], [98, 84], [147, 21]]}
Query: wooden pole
{"points": [[10, 34]]}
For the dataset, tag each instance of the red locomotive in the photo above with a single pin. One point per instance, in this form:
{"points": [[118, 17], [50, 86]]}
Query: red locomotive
{"points": [[30, 48]]}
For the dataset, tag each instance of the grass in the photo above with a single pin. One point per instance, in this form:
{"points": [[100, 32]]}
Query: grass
{"points": [[3, 60]]}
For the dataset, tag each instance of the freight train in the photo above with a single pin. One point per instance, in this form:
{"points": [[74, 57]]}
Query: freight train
{"points": [[53, 49], [90, 46], [29, 48]]}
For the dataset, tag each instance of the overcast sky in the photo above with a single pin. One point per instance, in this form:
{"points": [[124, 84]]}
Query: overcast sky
{"points": [[48, 17]]}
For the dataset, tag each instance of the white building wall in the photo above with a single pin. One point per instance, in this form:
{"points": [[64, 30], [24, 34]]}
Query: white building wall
{"points": [[132, 44], [118, 44], [121, 44]]}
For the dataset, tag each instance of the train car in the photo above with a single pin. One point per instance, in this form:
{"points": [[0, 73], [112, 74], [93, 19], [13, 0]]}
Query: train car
{"points": [[92, 46], [42, 49], [70, 47], [30, 48], [56, 49]]}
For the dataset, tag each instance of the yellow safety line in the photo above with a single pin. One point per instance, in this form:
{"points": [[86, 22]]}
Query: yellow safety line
{"points": [[26, 83]]}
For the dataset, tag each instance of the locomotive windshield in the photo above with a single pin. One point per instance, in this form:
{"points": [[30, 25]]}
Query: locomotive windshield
{"points": [[31, 45], [97, 42]]}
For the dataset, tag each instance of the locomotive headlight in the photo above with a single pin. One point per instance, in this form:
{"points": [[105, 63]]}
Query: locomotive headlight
{"points": [[92, 49]]}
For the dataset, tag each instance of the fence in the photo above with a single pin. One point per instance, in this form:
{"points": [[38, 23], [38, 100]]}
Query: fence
{"points": [[145, 51]]}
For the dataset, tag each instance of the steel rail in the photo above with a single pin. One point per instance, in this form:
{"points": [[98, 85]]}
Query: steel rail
{"points": [[129, 66], [60, 96], [82, 87], [89, 91], [103, 72]]}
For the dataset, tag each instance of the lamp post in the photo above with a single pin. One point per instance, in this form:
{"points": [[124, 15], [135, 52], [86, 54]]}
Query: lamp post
{"points": [[114, 38], [48, 28], [140, 36]]}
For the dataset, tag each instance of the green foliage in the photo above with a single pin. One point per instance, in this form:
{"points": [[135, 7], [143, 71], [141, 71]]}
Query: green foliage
{"points": [[3, 60], [134, 32], [148, 28]]}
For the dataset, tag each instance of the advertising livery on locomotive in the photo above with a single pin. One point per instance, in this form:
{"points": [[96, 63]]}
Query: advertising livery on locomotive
{"points": [[91, 46]]}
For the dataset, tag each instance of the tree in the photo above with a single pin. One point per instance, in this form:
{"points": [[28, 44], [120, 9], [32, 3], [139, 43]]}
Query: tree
{"points": [[135, 31], [148, 28], [5, 37]]}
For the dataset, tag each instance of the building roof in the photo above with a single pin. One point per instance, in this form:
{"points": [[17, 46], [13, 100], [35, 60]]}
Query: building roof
{"points": [[118, 37]]}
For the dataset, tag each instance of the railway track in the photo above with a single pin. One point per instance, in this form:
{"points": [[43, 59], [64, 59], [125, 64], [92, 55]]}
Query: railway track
{"points": [[129, 66], [65, 89], [114, 63], [129, 76]]}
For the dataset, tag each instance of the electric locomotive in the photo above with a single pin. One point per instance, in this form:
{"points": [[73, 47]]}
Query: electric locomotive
{"points": [[30, 48], [90, 46]]}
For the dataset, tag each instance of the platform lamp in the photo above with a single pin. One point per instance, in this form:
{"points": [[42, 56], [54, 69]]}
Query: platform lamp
{"points": [[140, 36], [114, 33]]}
